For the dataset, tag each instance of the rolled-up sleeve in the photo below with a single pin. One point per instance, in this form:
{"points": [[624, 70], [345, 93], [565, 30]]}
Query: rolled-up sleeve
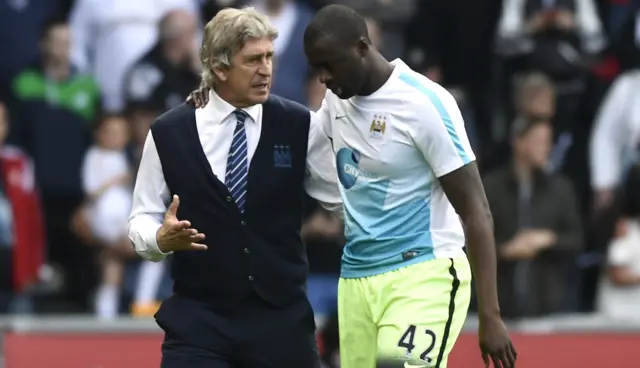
{"points": [[150, 199], [321, 182]]}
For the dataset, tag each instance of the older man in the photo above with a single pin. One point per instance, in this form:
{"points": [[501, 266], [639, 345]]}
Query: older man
{"points": [[234, 173]]}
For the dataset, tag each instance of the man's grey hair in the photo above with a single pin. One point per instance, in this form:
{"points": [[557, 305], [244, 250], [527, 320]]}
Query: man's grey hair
{"points": [[226, 34]]}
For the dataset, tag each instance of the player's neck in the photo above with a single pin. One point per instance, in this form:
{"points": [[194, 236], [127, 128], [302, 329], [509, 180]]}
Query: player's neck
{"points": [[381, 71]]}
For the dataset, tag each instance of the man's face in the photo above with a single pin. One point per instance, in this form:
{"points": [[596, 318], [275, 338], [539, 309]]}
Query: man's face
{"points": [[57, 44], [539, 104], [341, 69], [535, 145], [249, 77]]}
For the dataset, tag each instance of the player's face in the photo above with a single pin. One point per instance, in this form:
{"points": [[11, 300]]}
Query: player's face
{"points": [[341, 70], [249, 79]]}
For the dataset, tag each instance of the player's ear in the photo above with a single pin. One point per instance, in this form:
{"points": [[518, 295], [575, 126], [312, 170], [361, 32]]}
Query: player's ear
{"points": [[363, 46]]}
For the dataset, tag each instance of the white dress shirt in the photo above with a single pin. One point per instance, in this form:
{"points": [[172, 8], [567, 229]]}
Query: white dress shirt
{"points": [[216, 123]]}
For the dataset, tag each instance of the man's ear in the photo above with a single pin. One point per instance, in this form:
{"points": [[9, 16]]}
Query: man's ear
{"points": [[363, 46], [221, 74]]}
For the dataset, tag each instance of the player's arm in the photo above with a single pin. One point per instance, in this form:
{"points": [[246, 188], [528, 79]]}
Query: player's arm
{"points": [[442, 138], [321, 181], [150, 198], [446, 148]]}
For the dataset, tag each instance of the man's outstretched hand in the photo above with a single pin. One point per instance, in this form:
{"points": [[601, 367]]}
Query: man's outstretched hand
{"points": [[199, 98], [175, 235], [495, 343]]}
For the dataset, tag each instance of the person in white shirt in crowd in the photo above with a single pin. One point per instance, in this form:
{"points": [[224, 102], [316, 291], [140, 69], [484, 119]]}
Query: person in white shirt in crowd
{"points": [[107, 181], [619, 291], [615, 141], [110, 36]]}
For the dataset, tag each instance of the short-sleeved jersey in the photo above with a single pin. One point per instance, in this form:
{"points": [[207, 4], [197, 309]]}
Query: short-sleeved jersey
{"points": [[391, 147]]}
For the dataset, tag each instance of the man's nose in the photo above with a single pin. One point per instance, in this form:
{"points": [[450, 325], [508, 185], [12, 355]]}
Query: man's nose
{"points": [[265, 68]]}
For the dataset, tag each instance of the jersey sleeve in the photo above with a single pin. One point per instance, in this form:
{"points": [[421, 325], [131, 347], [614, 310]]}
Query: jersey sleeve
{"points": [[440, 135], [322, 118]]}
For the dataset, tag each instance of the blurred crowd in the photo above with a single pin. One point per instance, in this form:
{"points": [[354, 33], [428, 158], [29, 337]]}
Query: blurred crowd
{"points": [[550, 91]]}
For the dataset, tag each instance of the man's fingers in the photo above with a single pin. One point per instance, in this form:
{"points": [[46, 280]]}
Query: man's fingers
{"points": [[197, 246], [180, 226], [507, 359], [513, 354], [497, 360], [173, 207], [196, 238], [485, 358]]}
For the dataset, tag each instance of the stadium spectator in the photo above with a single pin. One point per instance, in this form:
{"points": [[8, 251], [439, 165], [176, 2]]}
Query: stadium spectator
{"points": [[53, 109], [107, 40], [290, 68], [537, 226], [556, 37], [22, 238], [107, 183], [24, 18], [619, 289], [615, 139], [170, 70]]}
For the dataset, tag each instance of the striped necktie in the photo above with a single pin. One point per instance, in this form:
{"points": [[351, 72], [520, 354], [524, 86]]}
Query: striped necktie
{"points": [[237, 162]]}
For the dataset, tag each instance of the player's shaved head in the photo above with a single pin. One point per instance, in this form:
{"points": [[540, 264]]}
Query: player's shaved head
{"points": [[336, 24], [337, 44]]}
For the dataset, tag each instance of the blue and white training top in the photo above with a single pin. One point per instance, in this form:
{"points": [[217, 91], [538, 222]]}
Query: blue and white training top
{"points": [[390, 149]]}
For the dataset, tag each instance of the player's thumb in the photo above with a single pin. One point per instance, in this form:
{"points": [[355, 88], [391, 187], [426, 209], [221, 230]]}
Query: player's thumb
{"points": [[172, 211]]}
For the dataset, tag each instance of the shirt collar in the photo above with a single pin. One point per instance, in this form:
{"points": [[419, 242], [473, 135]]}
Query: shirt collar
{"points": [[220, 109]]}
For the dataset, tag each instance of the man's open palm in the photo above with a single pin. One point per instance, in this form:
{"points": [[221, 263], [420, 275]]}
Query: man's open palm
{"points": [[175, 235]]}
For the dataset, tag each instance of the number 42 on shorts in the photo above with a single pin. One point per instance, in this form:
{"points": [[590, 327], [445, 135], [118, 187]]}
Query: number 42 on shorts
{"points": [[407, 341]]}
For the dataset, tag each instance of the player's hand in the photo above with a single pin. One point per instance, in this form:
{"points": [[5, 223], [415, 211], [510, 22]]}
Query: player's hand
{"points": [[175, 235], [495, 343], [199, 98]]}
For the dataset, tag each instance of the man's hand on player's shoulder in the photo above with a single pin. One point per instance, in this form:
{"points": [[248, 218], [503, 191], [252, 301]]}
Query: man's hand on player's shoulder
{"points": [[495, 343], [175, 235], [199, 98]]}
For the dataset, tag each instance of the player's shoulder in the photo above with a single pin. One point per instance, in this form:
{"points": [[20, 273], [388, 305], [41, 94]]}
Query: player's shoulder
{"points": [[424, 93]]}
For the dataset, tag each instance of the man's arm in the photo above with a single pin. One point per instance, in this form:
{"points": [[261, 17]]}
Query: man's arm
{"points": [[441, 136], [150, 198], [321, 182], [443, 141], [465, 191]]}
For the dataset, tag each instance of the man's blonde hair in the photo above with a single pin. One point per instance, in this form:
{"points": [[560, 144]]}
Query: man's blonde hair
{"points": [[226, 34]]}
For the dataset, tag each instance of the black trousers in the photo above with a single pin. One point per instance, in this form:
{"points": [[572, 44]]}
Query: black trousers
{"points": [[254, 334]]}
